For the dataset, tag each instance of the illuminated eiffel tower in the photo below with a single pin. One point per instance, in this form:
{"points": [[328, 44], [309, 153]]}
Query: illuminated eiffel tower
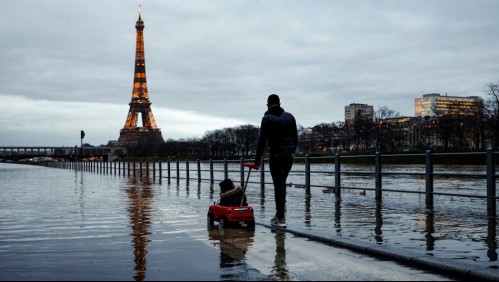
{"points": [[145, 140]]}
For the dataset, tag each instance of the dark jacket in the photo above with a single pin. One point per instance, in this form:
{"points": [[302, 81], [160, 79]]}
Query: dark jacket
{"points": [[233, 198], [278, 128], [230, 195]]}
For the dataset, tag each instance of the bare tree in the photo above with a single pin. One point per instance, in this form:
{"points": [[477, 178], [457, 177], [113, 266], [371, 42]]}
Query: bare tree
{"points": [[387, 132], [308, 142], [246, 138], [491, 114], [324, 132]]}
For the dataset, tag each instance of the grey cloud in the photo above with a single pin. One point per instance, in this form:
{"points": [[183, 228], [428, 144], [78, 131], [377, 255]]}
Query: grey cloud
{"points": [[223, 58]]}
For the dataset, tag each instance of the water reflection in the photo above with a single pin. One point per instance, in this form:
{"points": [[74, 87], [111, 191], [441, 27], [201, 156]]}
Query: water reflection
{"points": [[308, 214], [429, 230], [379, 222], [491, 239], [199, 191], [262, 199], [140, 194], [279, 269], [337, 215], [212, 191], [81, 198], [233, 244], [187, 190]]}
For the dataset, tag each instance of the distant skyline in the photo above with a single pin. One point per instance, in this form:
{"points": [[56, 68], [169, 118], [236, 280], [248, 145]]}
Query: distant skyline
{"points": [[68, 65]]}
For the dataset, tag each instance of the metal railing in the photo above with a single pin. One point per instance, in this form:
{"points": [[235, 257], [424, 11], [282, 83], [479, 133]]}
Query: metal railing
{"points": [[225, 167]]}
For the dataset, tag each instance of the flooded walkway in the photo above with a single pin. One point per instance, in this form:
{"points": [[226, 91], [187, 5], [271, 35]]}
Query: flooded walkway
{"points": [[65, 225]]}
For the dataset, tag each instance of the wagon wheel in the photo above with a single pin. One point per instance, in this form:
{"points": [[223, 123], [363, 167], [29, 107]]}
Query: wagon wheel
{"points": [[210, 221], [221, 223]]}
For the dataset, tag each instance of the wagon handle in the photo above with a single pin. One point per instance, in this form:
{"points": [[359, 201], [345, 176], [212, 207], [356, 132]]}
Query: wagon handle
{"points": [[250, 166]]}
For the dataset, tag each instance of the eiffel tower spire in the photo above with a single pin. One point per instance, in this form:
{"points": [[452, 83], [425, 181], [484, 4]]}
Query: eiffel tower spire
{"points": [[140, 96], [132, 134]]}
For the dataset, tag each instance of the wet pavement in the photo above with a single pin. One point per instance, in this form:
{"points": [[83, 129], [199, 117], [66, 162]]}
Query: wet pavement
{"points": [[233, 254], [68, 226], [282, 256]]}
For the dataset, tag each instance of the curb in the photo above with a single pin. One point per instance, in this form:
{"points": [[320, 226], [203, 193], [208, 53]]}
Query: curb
{"points": [[459, 270]]}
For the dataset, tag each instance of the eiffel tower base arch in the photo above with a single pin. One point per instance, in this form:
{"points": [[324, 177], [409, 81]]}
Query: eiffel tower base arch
{"points": [[142, 143]]}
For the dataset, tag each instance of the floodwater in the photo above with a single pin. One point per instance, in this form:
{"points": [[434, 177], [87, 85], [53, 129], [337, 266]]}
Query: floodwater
{"points": [[60, 224], [456, 228]]}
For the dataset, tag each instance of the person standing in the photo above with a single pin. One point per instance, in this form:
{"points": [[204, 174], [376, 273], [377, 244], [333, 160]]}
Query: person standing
{"points": [[278, 130]]}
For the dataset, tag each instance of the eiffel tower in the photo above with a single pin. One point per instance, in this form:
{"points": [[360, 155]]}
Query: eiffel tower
{"points": [[145, 140]]}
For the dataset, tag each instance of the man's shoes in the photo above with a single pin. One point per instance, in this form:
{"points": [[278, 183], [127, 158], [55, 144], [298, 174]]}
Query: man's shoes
{"points": [[275, 222], [282, 222]]}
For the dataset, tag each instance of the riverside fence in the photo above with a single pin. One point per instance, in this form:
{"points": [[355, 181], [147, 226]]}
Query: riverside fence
{"points": [[333, 168]]}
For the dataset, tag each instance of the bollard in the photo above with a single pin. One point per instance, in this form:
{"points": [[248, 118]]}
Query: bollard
{"points": [[377, 177], [429, 179], [262, 175], [153, 171], [178, 172], [211, 171], [160, 172], [226, 170], [241, 166], [491, 183], [168, 170], [187, 171], [307, 176], [337, 176], [199, 171]]}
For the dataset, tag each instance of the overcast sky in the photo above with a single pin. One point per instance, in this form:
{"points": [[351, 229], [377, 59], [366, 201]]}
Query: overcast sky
{"points": [[68, 66]]}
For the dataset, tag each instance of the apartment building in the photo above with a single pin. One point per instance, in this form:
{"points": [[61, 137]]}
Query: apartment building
{"points": [[433, 104], [361, 110]]}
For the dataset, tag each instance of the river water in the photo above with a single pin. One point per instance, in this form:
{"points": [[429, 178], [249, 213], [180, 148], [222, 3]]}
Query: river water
{"points": [[46, 209]]}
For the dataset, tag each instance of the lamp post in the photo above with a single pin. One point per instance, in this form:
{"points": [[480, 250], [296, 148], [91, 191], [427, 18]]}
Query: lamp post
{"points": [[82, 135]]}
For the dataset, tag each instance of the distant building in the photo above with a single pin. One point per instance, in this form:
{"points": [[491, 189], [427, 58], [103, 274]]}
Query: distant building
{"points": [[361, 110], [433, 104]]}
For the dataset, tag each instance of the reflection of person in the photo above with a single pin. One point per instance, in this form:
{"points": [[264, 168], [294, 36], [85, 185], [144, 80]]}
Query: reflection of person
{"points": [[230, 195], [279, 270], [278, 129]]}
